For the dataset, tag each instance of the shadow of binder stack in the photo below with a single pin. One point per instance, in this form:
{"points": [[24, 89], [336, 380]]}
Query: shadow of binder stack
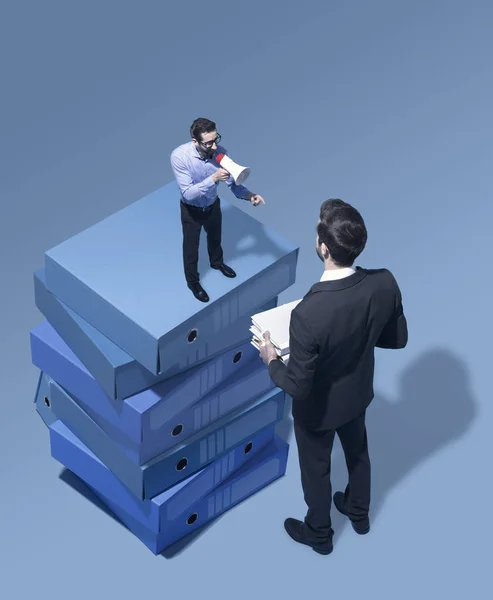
{"points": [[156, 401]]}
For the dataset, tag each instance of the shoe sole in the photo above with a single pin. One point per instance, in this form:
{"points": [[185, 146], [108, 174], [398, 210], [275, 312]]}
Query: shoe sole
{"points": [[323, 552], [317, 550], [206, 299], [231, 276], [358, 531]]}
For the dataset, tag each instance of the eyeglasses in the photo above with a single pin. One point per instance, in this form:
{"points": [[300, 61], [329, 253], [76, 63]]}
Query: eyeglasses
{"points": [[210, 144]]}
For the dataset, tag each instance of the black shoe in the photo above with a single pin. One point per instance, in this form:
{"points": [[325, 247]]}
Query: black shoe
{"points": [[199, 292], [225, 270], [294, 529], [339, 504]]}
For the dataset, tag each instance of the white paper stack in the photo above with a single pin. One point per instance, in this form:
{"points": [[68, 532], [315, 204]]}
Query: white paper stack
{"points": [[276, 322]]}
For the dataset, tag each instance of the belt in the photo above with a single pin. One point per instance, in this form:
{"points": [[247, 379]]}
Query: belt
{"points": [[201, 208]]}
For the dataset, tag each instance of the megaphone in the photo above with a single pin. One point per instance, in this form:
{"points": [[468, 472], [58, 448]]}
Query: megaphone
{"points": [[238, 172]]}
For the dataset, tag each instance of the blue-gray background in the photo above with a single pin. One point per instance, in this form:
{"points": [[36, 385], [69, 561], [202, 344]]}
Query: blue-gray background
{"points": [[386, 104]]}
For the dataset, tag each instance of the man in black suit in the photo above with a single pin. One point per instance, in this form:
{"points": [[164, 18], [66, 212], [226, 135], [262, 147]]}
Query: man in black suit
{"points": [[332, 337]]}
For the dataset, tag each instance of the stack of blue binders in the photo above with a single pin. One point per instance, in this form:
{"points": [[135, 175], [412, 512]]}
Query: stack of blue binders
{"points": [[158, 402]]}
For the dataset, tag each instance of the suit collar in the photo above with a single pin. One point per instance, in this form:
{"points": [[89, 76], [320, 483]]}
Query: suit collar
{"points": [[335, 285]]}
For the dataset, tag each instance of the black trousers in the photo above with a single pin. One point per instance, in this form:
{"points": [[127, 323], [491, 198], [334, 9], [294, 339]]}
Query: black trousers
{"points": [[314, 450], [192, 221]]}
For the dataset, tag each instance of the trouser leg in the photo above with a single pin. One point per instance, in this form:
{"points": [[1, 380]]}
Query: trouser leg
{"points": [[354, 442], [191, 227], [213, 228], [314, 451]]}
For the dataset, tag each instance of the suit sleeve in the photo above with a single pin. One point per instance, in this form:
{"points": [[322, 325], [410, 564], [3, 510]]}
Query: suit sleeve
{"points": [[296, 378], [394, 335]]}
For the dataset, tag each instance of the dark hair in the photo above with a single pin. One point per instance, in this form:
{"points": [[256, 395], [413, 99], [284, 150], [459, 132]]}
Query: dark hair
{"points": [[200, 126], [342, 230]]}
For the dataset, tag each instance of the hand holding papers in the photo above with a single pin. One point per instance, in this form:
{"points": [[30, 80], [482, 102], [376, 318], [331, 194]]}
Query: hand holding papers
{"points": [[276, 321]]}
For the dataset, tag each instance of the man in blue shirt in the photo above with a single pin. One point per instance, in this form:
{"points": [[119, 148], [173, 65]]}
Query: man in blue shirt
{"points": [[198, 175]]}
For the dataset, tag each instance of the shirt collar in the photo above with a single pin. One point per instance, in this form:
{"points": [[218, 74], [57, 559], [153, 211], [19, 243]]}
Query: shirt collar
{"points": [[195, 152], [333, 274]]}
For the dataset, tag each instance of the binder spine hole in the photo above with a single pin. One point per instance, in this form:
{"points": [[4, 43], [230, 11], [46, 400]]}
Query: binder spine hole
{"points": [[248, 447], [181, 464], [177, 430], [237, 357], [192, 518], [192, 336], [47, 401]]}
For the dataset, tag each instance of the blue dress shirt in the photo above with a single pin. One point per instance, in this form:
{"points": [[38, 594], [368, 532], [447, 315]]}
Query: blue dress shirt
{"points": [[193, 176]]}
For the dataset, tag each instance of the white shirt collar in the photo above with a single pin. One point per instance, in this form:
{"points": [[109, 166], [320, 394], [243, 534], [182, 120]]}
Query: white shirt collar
{"points": [[333, 274]]}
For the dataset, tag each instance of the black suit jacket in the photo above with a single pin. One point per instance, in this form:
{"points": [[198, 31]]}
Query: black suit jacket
{"points": [[332, 338]]}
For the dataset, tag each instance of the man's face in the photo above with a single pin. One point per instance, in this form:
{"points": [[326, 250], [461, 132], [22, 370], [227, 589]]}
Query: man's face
{"points": [[208, 144]]}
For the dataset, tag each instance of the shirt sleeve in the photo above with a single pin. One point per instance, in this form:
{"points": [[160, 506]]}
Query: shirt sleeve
{"points": [[189, 190], [240, 191]]}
